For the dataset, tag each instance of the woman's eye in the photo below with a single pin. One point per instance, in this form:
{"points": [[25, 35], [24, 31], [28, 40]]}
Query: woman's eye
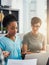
{"points": [[14, 28]]}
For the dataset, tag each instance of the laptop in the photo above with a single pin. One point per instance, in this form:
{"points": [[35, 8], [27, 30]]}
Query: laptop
{"points": [[22, 62], [42, 58]]}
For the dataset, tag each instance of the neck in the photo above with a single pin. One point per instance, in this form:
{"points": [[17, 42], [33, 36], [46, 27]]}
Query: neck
{"points": [[34, 33], [11, 37]]}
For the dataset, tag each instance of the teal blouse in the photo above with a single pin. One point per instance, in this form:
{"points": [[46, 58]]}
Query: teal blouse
{"points": [[14, 47]]}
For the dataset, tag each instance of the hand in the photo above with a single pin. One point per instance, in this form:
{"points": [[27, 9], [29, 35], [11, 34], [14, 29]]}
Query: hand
{"points": [[27, 52], [42, 51], [6, 53]]}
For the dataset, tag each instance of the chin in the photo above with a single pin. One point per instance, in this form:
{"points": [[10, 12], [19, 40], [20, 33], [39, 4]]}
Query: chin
{"points": [[13, 34]]}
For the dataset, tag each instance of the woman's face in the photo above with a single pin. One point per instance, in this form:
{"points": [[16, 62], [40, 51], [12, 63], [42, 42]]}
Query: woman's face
{"points": [[36, 27], [12, 28]]}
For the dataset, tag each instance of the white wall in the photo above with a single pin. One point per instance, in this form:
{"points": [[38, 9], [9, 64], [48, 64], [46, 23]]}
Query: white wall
{"points": [[27, 10], [34, 8], [42, 13], [6, 2], [17, 5]]}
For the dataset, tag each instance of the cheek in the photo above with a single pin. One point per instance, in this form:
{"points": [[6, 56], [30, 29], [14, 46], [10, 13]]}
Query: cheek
{"points": [[35, 28], [13, 31], [10, 31]]}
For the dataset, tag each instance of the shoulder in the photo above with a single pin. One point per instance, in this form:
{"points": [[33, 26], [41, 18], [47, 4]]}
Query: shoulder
{"points": [[18, 39], [1, 38], [17, 36], [27, 35], [41, 35], [2, 43]]}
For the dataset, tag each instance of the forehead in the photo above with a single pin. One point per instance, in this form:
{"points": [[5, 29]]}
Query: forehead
{"points": [[14, 23], [37, 24]]}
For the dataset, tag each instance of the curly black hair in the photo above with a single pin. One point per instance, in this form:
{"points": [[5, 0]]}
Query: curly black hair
{"points": [[8, 19]]}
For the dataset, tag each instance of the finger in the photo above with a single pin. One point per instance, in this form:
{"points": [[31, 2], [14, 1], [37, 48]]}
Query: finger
{"points": [[6, 55], [3, 52]]}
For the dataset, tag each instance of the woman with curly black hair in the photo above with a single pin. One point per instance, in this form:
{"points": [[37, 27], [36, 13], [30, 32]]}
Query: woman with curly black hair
{"points": [[10, 43]]}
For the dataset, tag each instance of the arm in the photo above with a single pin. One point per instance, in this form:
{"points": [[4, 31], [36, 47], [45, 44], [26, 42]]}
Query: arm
{"points": [[44, 45], [25, 49], [6, 53], [2, 47], [25, 43]]}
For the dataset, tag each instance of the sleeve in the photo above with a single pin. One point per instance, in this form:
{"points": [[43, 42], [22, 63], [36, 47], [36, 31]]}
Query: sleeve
{"points": [[19, 47], [20, 42], [25, 40], [25, 45], [2, 46], [44, 43]]}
